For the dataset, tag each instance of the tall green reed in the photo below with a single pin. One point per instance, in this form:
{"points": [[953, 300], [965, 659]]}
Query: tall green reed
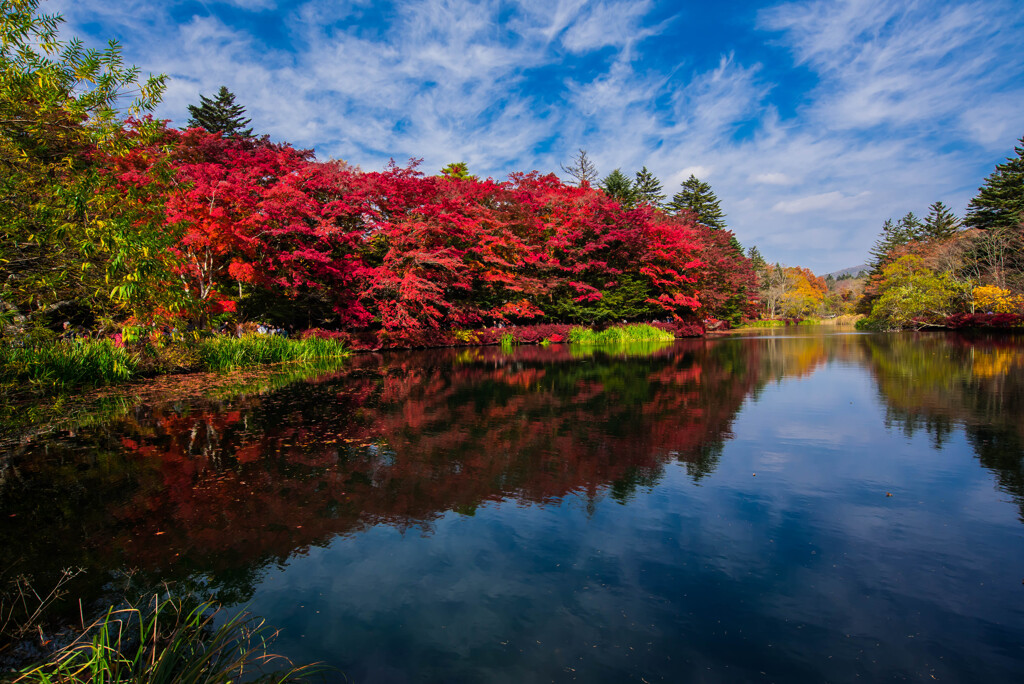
{"points": [[637, 332], [68, 363], [169, 641], [227, 353]]}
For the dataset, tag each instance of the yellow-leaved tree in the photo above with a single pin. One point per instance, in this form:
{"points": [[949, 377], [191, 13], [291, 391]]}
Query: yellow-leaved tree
{"points": [[62, 107]]}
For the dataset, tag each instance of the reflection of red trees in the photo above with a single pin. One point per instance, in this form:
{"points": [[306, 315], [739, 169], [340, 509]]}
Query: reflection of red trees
{"points": [[404, 443]]}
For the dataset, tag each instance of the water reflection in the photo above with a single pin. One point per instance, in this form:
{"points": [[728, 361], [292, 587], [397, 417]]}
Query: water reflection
{"points": [[248, 479], [938, 383], [484, 454]]}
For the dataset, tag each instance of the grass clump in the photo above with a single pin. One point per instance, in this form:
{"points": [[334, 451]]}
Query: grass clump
{"points": [[508, 340], [170, 640], [639, 332], [68, 363], [228, 353]]}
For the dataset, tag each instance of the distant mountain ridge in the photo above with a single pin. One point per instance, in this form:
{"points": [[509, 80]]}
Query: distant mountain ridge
{"points": [[851, 270]]}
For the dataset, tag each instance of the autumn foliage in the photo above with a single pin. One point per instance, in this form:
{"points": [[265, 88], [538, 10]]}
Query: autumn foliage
{"points": [[253, 228]]}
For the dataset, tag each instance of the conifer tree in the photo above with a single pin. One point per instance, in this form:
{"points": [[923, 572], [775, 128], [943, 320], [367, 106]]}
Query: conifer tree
{"points": [[582, 169], [910, 227], [884, 243], [756, 260], [220, 115], [893, 235], [618, 186], [647, 189], [1000, 201], [940, 223], [459, 170], [697, 196]]}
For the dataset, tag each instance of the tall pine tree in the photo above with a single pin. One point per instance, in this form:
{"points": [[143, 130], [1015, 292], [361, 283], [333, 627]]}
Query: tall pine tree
{"points": [[697, 196], [618, 186], [756, 260], [1000, 201], [220, 115], [907, 229], [647, 189], [940, 223]]}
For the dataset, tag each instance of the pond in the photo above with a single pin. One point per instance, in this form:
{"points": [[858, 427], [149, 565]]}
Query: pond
{"points": [[777, 507]]}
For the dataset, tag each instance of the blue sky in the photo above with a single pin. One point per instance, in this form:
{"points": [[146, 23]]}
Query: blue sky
{"points": [[813, 121]]}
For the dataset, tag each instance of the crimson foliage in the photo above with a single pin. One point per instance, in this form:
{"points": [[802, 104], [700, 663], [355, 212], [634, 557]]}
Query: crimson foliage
{"points": [[262, 227], [984, 320]]}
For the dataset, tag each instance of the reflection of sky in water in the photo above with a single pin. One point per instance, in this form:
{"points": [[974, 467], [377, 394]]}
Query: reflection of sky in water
{"points": [[788, 563], [714, 510]]}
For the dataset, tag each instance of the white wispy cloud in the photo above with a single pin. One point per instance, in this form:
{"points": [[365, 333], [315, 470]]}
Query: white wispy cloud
{"points": [[905, 102], [827, 200]]}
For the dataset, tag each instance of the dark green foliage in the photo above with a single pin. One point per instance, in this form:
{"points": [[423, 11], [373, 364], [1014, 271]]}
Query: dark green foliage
{"points": [[940, 223], [697, 196], [647, 189], [220, 115], [582, 169], [618, 186], [894, 235], [1000, 201], [628, 300], [756, 260]]}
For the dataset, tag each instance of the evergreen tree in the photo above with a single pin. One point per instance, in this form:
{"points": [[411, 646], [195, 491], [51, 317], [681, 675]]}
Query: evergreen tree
{"points": [[1000, 201], [220, 115], [582, 169], [940, 223], [756, 260], [697, 196], [910, 227], [647, 189], [618, 186], [893, 235], [459, 170]]}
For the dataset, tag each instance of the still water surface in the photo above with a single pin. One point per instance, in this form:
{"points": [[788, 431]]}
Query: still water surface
{"points": [[777, 508]]}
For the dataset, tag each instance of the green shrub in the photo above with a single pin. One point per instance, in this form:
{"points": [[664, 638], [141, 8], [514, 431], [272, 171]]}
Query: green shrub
{"points": [[508, 340], [871, 325]]}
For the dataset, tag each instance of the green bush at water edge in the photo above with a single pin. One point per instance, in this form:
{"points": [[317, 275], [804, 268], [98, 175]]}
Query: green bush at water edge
{"points": [[640, 332]]}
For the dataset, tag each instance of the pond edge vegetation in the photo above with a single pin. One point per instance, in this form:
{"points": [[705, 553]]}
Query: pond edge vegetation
{"points": [[53, 366], [168, 639]]}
